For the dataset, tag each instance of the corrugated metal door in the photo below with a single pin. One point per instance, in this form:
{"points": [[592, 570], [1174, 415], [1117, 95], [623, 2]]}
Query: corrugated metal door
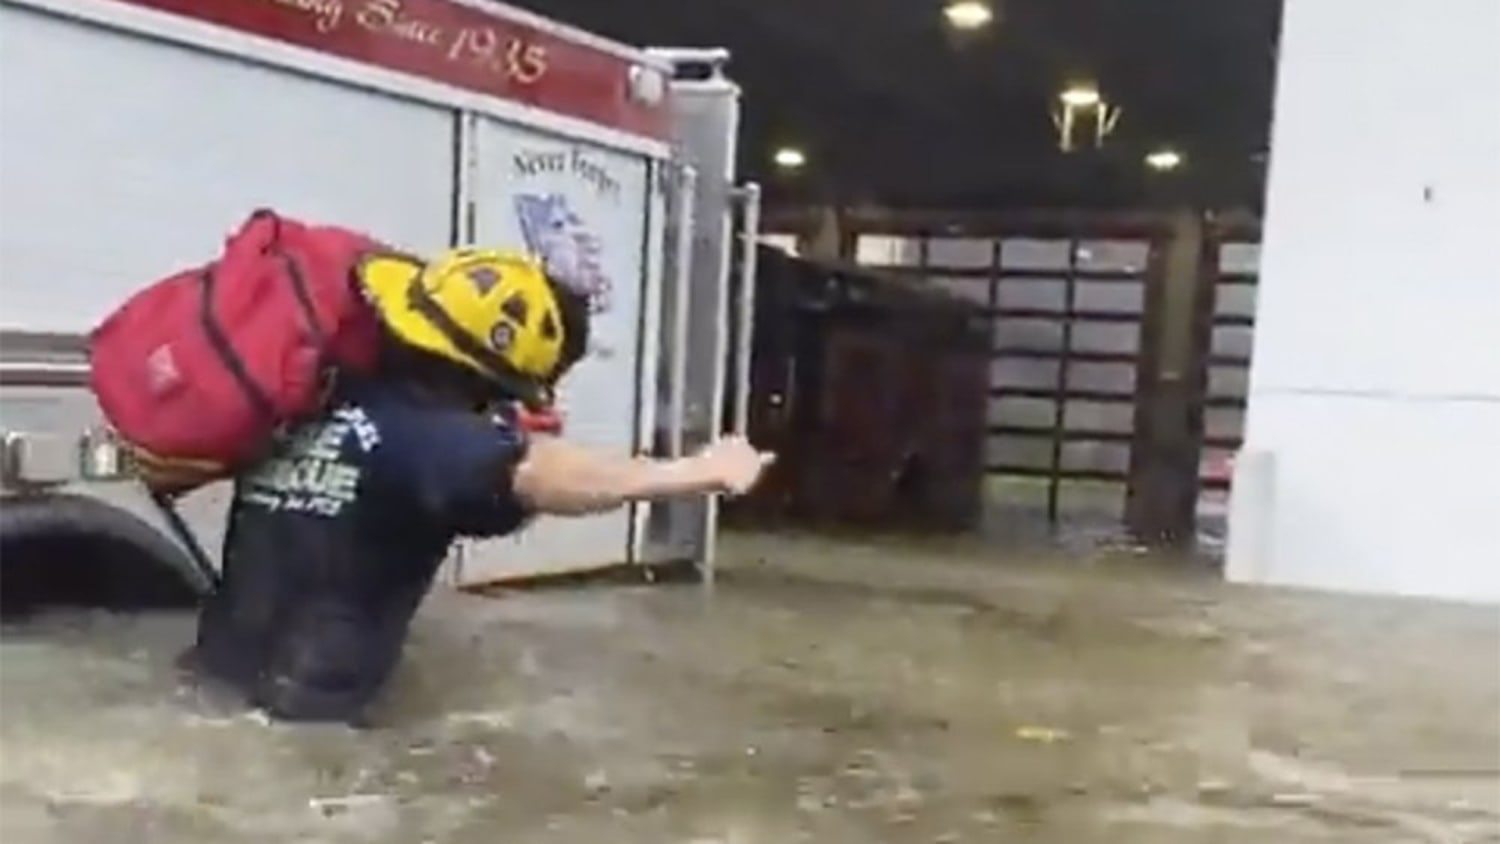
{"points": [[1226, 382], [585, 206], [1066, 307], [124, 157]]}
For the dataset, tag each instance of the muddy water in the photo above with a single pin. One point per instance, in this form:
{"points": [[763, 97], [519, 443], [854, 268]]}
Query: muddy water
{"points": [[824, 692]]}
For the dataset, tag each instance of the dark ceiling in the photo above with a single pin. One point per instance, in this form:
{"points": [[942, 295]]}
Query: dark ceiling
{"points": [[893, 108]]}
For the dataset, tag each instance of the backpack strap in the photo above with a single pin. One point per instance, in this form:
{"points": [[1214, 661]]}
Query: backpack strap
{"points": [[166, 505], [254, 393]]}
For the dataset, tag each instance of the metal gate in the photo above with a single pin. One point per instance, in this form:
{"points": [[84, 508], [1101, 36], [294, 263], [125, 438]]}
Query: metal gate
{"points": [[1066, 307], [1081, 376], [1230, 284]]}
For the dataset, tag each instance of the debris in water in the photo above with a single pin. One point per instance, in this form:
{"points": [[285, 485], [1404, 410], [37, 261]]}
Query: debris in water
{"points": [[496, 719], [985, 817], [330, 807], [1043, 735], [1213, 788], [905, 795], [597, 782], [1293, 800]]}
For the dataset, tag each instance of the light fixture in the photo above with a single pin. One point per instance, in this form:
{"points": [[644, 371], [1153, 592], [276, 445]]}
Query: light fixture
{"points": [[968, 14], [647, 85], [789, 158], [1164, 159], [1082, 102], [1079, 96]]}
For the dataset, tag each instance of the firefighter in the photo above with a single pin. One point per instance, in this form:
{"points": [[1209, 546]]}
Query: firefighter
{"points": [[334, 540]]}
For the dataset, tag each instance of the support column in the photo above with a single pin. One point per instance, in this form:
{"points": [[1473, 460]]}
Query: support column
{"points": [[825, 242], [1170, 380]]}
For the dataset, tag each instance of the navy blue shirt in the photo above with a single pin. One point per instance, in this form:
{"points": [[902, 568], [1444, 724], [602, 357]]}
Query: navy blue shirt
{"points": [[334, 540]]}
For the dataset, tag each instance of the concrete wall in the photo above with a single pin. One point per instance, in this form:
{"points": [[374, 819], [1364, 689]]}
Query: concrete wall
{"points": [[1373, 437]]}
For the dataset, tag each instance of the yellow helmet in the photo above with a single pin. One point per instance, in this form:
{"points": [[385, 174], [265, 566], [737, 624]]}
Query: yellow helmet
{"points": [[494, 312]]}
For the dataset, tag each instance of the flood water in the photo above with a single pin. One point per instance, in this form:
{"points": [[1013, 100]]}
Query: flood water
{"points": [[823, 692]]}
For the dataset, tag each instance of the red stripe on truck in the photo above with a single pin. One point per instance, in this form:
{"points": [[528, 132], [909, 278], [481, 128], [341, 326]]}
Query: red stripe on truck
{"points": [[448, 42]]}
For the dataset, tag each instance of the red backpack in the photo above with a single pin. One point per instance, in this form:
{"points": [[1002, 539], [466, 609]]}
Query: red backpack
{"points": [[199, 372]]}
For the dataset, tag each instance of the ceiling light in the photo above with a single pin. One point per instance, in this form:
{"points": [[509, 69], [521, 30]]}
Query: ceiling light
{"points": [[789, 158], [1164, 159], [1079, 96], [968, 14]]}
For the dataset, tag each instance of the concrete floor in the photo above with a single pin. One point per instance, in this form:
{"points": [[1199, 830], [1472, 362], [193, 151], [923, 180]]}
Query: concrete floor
{"points": [[825, 692]]}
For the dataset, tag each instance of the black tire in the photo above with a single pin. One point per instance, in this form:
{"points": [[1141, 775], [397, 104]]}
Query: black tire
{"points": [[59, 550]]}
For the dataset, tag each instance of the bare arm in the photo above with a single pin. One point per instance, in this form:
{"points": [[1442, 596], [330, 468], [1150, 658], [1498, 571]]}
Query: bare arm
{"points": [[564, 479]]}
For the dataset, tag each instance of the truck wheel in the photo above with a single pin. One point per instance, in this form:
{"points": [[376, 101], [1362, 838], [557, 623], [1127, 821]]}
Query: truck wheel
{"points": [[76, 551]]}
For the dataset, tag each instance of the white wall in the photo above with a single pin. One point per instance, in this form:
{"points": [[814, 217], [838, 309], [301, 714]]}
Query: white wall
{"points": [[1374, 410]]}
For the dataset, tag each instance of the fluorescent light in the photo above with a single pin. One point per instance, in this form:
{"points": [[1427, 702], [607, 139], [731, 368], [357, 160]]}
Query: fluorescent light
{"points": [[1080, 96], [789, 158], [968, 14], [1164, 159]]}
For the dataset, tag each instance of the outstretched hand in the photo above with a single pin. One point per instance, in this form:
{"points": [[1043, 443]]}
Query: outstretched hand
{"points": [[734, 463]]}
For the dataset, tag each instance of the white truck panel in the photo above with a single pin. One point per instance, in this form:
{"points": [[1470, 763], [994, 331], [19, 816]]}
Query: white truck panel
{"points": [[585, 205], [137, 156], [132, 141]]}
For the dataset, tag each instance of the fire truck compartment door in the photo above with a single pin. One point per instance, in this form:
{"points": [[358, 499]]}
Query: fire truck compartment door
{"points": [[583, 207]]}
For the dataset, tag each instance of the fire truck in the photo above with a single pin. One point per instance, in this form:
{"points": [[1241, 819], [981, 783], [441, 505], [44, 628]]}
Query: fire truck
{"points": [[135, 134]]}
